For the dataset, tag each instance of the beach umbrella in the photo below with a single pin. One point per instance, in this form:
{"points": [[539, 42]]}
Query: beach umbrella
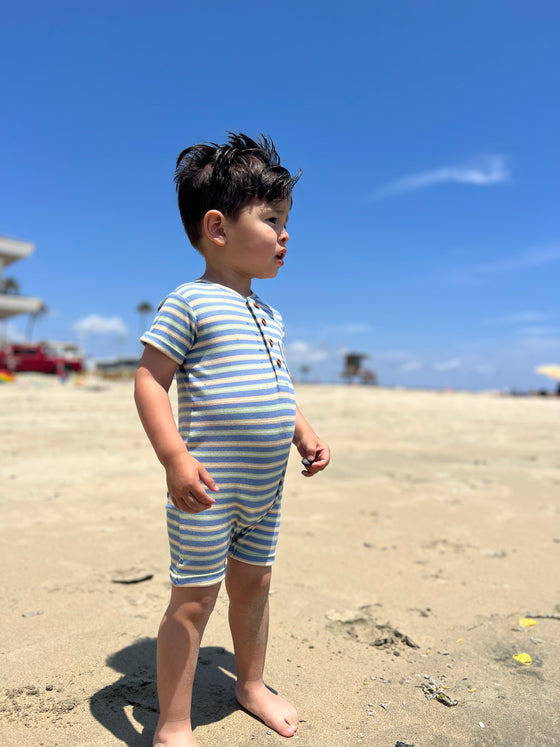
{"points": [[551, 370]]}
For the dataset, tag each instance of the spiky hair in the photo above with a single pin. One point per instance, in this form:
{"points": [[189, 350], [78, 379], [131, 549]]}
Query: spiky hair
{"points": [[227, 178]]}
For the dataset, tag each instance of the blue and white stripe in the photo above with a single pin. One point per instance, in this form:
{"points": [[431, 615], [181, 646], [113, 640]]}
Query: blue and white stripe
{"points": [[236, 416]]}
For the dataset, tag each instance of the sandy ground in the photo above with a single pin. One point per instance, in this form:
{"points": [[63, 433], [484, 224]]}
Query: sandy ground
{"points": [[402, 570]]}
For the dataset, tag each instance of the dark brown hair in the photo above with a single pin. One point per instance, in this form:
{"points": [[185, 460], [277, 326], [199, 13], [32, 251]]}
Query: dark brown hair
{"points": [[228, 178]]}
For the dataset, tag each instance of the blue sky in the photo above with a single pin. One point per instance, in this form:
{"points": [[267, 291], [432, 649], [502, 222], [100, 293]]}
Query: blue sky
{"points": [[425, 230]]}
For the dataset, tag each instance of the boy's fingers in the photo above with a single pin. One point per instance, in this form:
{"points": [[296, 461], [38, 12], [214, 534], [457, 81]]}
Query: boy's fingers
{"points": [[208, 480], [201, 496], [315, 462], [193, 504], [323, 458], [191, 495], [320, 463]]}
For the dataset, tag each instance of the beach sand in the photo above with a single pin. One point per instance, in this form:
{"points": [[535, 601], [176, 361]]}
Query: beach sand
{"points": [[402, 572]]}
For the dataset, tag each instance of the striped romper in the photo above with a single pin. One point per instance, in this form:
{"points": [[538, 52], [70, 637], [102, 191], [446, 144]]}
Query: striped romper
{"points": [[236, 415]]}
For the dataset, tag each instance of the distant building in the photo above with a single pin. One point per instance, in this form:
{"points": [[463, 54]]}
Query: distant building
{"points": [[117, 368], [11, 250], [353, 369]]}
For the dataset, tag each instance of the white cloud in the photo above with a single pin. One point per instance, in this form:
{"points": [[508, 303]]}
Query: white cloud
{"points": [[488, 170], [532, 331], [392, 357], [520, 317], [411, 365], [535, 257], [94, 324], [351, 328], [449, 365], [301, 352], [539, 340], [530, 259], [397, 360], [485, 369]]}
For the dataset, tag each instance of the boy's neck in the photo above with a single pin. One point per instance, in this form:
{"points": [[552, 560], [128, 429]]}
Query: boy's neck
{"points": [[229, 279]]}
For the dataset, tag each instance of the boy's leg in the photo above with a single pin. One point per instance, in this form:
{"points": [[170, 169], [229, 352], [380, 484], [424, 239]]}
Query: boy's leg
{"points": [[179, 639], [248, 586]]}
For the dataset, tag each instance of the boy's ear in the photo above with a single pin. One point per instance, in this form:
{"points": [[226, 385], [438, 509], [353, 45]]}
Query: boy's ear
{"points": [[213, 227]]}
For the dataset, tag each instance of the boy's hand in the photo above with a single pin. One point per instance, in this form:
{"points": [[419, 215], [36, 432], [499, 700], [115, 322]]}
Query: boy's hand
{"points": [[316, 452], [186, 478]]}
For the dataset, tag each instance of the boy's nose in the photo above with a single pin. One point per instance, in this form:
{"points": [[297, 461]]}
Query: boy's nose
{"points": [[284, 236]]}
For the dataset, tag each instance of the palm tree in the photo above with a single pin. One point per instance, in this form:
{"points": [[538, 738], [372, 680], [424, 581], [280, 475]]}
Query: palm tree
{"points": [[144, 308], [41, 311], [9, 286]]}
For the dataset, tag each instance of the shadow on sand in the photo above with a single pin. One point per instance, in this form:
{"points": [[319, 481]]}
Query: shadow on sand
{"points": [[213, 700]]}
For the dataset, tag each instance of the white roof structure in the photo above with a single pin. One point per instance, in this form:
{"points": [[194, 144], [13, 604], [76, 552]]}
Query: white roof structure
{"points": [[11, 250]]}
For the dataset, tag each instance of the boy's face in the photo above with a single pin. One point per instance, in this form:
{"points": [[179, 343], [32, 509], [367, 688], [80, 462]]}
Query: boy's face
{"points": [[256, 239]]}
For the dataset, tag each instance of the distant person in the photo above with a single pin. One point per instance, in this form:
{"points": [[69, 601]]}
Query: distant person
{"points": [[237, 420]]}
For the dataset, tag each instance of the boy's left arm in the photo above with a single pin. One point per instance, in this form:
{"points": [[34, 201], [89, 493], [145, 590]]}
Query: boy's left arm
{"points": [[310, 446]]}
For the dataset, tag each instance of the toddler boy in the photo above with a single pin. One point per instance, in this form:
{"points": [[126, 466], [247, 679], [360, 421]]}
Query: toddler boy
{"points": [[225, 463]]}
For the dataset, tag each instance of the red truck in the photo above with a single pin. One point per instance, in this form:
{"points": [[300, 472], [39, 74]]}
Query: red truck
{"points": [[42, 357]]}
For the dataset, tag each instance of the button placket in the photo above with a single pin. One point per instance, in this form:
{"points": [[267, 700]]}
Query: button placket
{"points": [[276, 363]]}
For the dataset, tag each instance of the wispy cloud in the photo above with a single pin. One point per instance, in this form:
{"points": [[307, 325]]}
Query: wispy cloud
{"points": [[411, 365], [300, 352], [519, 317], [448, 365], [344, 330], [487, 170], [100, 325], [397, 360], [485, 369], [539, 338], [530, 259]]}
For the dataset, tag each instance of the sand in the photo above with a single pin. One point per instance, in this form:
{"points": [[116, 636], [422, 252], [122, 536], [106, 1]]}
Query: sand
{"points": [[402, 572]]}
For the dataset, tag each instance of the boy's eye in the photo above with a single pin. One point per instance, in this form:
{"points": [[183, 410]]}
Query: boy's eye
{"points": [[273, 219]]}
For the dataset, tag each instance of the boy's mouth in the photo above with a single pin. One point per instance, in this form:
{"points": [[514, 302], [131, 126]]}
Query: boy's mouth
{"points": [[280, 256]]}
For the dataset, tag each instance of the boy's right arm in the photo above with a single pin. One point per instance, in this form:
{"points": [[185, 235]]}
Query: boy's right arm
{"points": [[185, 474]]}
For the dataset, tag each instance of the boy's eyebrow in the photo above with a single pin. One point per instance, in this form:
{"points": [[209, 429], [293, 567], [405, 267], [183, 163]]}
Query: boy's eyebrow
{"points": [[275, 206]]}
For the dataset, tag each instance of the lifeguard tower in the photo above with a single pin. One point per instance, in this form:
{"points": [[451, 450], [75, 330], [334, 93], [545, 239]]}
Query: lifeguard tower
{"points": [[11, 250], [353, 369]]}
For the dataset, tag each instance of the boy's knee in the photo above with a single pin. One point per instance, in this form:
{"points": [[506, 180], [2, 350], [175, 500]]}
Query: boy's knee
{"points": [[247, 582], [192, 604]]}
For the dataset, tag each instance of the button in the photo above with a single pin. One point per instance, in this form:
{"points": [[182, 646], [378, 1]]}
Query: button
{"points": [[257, 306], [279, 363], [263, 322], [271, 342]]}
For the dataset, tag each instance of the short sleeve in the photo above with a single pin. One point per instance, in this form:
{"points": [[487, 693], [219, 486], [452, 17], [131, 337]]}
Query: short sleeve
{"points": [[173, 330]]}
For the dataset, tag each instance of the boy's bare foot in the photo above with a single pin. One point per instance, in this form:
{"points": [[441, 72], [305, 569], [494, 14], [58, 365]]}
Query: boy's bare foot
{"points": [[272, 710], [174, 734]]}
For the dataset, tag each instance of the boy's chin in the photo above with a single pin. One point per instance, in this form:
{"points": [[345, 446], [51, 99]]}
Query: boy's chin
{"points": [[269, 274]]}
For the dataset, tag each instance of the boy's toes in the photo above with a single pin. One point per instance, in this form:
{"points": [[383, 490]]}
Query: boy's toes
{"points": [[285, 724], [288, 730], [273, 710]]}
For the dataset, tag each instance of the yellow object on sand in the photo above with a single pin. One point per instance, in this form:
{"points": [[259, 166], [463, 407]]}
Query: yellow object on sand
{"points": [[523, 659], [527, 622]]}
